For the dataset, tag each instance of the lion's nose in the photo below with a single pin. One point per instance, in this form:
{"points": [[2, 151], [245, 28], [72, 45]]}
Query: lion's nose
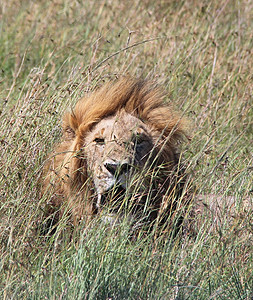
{"points": [[117, 168]]}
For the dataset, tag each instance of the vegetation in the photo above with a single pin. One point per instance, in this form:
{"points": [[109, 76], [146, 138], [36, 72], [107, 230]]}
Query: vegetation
{"points": [[54, 52]]}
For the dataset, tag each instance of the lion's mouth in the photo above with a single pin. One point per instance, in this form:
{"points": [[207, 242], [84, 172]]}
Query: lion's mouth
{"points": [[109, 204], [117, 204], [112, 198], [119, 200]]}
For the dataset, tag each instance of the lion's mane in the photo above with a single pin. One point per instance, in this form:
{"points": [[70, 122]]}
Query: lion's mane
{"points": [[66, 169]]}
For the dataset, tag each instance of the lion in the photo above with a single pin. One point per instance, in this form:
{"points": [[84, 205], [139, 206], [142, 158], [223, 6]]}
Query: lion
{"points": [[119, 152]]}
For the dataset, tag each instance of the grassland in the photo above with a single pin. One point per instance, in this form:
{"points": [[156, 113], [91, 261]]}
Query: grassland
{"points": [[54, 52]]}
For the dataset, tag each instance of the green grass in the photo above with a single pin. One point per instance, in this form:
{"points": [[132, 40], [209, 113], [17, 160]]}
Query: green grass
{"points": [[52, 53]]}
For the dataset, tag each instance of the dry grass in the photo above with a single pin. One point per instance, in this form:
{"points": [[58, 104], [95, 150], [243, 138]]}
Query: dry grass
{"points": [[53, 52]]}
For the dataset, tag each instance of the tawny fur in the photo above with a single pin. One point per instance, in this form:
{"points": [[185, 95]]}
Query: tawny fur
{"points": [[66, 169]]}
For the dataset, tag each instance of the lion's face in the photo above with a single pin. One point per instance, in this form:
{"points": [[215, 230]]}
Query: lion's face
{"points": [[117, 148], [120, 145]]}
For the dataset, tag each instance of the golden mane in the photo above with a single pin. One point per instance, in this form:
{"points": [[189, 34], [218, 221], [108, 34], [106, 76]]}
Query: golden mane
{"points": [[66, 169], [137, 97]]}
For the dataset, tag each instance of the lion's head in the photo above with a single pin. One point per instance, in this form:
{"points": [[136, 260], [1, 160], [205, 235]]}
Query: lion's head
{"points": [[120, 145]]}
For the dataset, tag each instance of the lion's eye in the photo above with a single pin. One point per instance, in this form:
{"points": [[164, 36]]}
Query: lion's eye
{"points": [[99, 141], [139, 139], [139, 142]]}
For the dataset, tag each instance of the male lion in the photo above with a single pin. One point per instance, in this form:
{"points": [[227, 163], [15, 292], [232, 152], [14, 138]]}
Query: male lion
{"points": [[119, 151]]}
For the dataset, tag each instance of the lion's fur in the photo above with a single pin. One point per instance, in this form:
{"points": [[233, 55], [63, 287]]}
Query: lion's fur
{"points": [[66, 169]]}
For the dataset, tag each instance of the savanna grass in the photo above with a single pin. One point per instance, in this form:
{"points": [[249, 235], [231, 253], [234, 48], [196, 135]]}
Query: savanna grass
{"points": [[52, 53]]}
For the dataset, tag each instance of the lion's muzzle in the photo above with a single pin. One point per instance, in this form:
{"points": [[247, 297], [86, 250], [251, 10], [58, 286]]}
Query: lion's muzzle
{"points": [[114, 184]]}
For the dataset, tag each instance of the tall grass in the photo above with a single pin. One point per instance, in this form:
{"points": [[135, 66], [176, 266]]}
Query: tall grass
{"points": [[52, 53]]}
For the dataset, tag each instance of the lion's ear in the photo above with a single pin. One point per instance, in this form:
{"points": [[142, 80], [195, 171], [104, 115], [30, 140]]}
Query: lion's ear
{"points": [[69, 126]]}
